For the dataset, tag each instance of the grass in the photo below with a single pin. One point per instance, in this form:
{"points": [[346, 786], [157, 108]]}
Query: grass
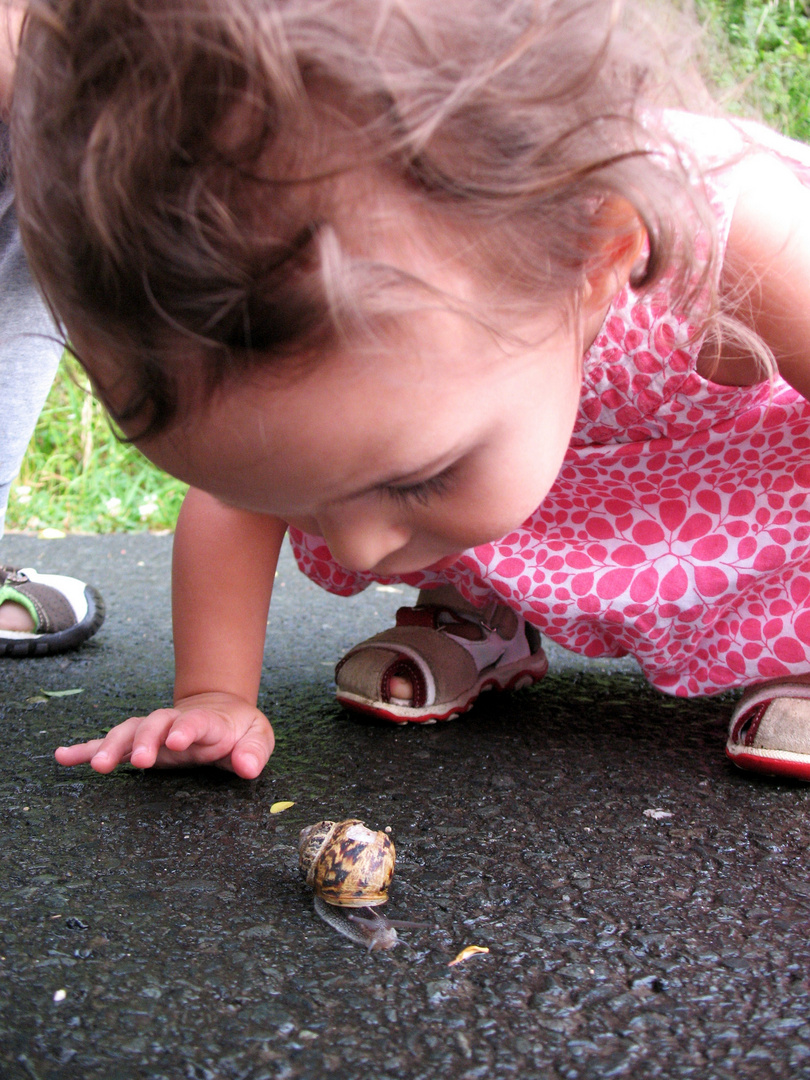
{"points": [[759, 59], [77, 477]]}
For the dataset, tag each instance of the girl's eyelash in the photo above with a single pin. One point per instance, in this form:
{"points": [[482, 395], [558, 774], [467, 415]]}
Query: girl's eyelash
{"points": [[423, 491]]}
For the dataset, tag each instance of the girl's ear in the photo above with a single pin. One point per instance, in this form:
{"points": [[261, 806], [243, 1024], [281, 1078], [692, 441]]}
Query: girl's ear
{"points": [[619, 241]]}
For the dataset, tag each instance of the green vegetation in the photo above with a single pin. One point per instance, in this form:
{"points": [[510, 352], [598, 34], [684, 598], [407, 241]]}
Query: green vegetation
{"points": [[77, 477], [759, 57]]}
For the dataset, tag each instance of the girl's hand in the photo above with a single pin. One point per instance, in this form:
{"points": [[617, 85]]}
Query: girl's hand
{"points": [[206, 729]]}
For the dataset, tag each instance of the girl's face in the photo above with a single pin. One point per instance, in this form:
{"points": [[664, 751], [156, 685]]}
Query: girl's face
{"points": [[400, 458]]}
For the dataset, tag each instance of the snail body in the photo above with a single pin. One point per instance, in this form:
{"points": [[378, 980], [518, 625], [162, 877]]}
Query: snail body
{"points": [[346, 864], [375, 932]]}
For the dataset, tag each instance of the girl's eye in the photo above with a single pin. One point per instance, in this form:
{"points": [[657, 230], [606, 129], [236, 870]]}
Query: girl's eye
{"points": [[424, 491]]}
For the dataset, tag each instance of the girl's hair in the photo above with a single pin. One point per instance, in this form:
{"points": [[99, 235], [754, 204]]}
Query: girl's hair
{"points": [[197, 178]]}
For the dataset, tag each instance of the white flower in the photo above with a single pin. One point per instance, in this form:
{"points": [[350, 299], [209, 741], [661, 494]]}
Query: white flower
{"points": [[146, 509], [113, 506]]}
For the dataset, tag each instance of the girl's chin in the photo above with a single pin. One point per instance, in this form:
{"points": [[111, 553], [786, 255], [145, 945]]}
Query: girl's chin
{"points": [[417, 568], [443, 564]]}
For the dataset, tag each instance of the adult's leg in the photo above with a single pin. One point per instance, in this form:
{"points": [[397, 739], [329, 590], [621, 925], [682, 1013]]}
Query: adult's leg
{"points": [[39, 613]]}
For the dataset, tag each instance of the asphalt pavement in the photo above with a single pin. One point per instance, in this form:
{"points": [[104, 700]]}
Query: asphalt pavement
{"points": [[645, 905]]}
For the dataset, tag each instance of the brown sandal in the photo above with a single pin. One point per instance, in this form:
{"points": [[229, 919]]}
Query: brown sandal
{"points": [[449, 651], [65, 612]]}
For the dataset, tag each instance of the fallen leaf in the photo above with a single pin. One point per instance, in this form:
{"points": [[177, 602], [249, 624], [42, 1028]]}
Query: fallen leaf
{"points": [[657, 815], [465, 954], [280, 807], [62, 693]]}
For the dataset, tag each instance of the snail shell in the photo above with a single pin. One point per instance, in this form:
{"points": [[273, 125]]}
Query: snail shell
{"points": [[347, 864]]}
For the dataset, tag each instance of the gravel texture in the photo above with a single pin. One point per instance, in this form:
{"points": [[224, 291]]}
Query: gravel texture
{"points": [[155, 925]]}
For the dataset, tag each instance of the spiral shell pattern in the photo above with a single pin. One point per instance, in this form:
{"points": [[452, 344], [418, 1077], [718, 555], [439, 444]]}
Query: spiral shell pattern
{"points": [[347, 864]]}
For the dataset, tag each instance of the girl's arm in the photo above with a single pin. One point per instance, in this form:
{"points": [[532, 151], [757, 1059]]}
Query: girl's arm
{"points": [[224, 563], [767, 271]]}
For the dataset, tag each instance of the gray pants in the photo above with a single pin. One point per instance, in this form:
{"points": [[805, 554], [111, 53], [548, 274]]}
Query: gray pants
{"points": [[29, 351]]}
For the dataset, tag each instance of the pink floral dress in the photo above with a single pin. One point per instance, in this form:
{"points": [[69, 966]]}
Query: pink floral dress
{"points": [[678, 529]]}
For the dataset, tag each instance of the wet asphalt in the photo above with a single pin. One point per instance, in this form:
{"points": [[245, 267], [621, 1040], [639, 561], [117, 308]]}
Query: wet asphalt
{"points": [[154, 925]]}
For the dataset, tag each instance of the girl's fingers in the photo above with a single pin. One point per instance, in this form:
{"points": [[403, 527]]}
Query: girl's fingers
{"points": [[137, 740], [115, 747], [249, 755], [203, 727], [149, 736], [78, 754]]}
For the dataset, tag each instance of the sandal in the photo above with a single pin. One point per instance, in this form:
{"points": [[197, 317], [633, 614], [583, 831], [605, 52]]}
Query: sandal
{"points": [[770, 730], [450, 652], [64, 610]]}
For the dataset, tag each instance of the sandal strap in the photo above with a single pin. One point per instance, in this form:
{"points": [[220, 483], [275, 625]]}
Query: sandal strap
{"points": [[50, 609], [470, 624]]}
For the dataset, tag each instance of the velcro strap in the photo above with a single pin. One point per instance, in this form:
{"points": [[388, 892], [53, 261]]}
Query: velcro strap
{"points": [[417, 616]]}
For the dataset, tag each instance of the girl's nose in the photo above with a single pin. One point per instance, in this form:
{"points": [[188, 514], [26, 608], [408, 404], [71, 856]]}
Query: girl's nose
{"points": [[361, 544]]}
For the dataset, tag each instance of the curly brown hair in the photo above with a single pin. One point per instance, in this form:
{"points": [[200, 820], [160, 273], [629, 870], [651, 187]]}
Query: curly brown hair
{"points": [[198, 171]]}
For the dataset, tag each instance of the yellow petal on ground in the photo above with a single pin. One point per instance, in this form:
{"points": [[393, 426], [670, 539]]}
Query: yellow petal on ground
{"points": [[280, 807], [465, 954]]}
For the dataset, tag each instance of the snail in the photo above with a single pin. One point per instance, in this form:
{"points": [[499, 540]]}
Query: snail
{"points": [[350, 866], [347, 864]]}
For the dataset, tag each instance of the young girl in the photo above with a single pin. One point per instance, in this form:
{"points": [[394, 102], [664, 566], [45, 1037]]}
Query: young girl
{"points": [[446, 293]]}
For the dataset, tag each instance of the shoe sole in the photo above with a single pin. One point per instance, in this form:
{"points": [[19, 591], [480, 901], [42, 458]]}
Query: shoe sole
{"points": [[781, 763], [62, 640], [515, 676]]}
